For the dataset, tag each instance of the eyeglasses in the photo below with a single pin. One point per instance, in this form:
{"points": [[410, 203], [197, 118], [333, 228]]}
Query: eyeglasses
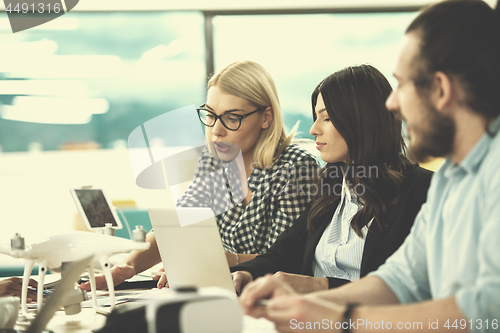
{"points": [[230, 121]]}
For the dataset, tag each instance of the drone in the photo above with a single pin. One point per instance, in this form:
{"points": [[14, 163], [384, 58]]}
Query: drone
{"points": [[56, 251]]}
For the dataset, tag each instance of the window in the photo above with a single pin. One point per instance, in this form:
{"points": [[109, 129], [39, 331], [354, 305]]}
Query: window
{"points": [[301, 50], [110, 71]]}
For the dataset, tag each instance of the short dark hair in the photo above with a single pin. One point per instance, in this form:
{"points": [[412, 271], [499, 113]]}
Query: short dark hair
{"points": [[354, 99], [462, 38]]}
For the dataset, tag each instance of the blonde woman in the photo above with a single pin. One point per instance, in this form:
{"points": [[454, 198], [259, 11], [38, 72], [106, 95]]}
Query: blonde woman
{"points": [[242, 109]]}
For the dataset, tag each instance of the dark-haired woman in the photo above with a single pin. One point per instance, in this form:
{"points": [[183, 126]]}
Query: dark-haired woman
{"points": [[368, 194]]}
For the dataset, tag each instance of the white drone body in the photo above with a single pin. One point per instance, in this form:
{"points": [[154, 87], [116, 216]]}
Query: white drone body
{"points": [[52, 252]]}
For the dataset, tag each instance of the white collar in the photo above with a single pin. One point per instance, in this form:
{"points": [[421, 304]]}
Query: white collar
{"points": [[347, 193]]}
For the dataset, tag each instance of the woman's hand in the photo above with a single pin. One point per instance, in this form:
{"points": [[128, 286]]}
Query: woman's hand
{"points": [[240, 280], [119, 273], [302, 284], [162, 280], [13, 285]]}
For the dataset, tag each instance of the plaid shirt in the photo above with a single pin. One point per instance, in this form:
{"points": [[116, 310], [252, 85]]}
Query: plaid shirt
{"points": [[280, 193]]}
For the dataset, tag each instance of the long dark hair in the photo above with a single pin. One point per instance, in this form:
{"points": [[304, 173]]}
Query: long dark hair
{"points": [[355, 101]]}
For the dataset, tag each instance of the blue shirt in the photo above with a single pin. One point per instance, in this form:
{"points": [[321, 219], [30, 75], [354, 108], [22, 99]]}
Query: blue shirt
{"points": [[454, 245], [339, 251]]}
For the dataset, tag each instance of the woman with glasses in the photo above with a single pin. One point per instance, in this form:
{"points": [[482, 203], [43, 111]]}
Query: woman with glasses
{"points": [[369, 191], [242, 114]]}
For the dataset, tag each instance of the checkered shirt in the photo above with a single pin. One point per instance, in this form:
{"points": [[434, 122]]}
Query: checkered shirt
{"points": [[280, 193]]}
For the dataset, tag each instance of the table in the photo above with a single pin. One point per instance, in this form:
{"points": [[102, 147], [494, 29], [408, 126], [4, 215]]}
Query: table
{"points": [[88, 320]]}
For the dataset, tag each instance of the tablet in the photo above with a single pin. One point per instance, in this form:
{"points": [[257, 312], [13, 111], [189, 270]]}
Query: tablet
{"points": [[96, 210]]}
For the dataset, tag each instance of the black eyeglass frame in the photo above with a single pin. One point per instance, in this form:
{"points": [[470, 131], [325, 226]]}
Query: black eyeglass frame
{"points": [[240, 117]]}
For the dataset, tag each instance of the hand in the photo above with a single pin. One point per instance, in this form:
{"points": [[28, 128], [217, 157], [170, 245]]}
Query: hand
{"points": [[292, 313], [302, 284], [266, 287], [162, 280], [119, 273], [240, 280], [13, 285]]}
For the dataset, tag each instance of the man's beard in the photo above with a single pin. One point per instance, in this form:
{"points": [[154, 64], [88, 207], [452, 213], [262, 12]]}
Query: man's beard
{"points": [[434, 139]]}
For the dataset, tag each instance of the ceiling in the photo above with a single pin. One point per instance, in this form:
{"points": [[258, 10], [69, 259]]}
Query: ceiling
{"points": [[254, 5]]}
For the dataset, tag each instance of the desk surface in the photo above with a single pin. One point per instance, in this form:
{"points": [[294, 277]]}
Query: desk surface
{"points": [[84, 322], [88, 320]]}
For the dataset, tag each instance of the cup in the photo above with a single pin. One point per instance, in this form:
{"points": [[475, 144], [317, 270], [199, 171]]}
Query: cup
{"points": [[9, 310]]}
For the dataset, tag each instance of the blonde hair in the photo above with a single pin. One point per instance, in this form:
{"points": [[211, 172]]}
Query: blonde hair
{"points": [[250, 81]]}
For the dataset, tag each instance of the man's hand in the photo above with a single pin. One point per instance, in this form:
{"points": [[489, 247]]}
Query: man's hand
{"points": [[301, 313], [240, 280], [302, 284], [263, 288], [13, 285], [119, 273]]}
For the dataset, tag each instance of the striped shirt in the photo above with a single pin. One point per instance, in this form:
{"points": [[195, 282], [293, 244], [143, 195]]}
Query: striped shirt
{"points": [[339, 251]]}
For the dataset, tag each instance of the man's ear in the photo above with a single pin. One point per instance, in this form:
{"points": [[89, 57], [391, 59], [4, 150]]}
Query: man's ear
{"points": [[443, 91], [268, 117]]}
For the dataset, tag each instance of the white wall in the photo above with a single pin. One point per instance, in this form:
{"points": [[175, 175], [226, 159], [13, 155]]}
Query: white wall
{"points": [[34, 188]]}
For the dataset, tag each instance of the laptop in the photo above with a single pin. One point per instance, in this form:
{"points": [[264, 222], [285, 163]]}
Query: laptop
{"points": [[190, 248]]}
